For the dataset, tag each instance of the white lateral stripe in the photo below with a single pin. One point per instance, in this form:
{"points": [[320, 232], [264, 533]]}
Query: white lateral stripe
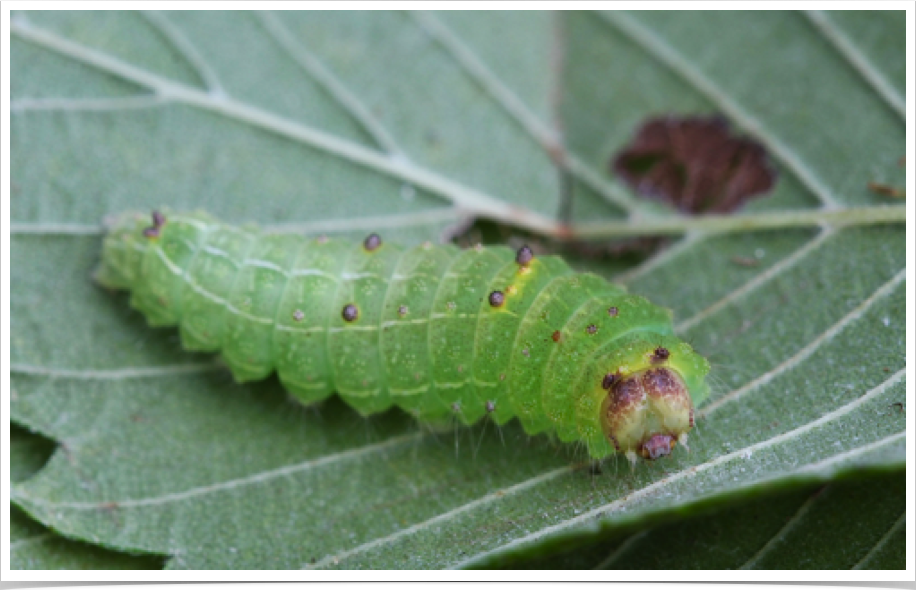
{"points": [[439, 316], [408, 391], [352, 329], [221, 253], [308, 272], [187, 280], [400, 277], [265, 264], [298, 330], [352, 276], [451, 385], [390, 323]]}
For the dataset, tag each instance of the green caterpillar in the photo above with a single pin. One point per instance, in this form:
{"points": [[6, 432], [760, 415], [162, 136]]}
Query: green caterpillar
{"points": [[440, 332]]}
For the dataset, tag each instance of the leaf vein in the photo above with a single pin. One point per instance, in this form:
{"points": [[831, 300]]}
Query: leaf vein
{"points": [[232, 484], [546, 137], [857, 61], [186, 49], [780, 535], [24, 105], [461, 195], [809, 349], [758, 281], [881, 542], [316, 70]]}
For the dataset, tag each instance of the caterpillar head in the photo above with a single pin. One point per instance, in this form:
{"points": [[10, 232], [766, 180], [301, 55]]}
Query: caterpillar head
{"points": [[647, 413], [648, 405]]}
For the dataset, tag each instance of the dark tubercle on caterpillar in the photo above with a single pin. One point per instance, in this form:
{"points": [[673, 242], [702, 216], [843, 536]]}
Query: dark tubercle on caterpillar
{"points": [[613, 311], [350, 313], [372, 242], [402, 310], [660, 354], [609, 381], [557, 336], [158, 222], [524, 256], [490, 407], [591, 329], [298, 315], [497, 299]]}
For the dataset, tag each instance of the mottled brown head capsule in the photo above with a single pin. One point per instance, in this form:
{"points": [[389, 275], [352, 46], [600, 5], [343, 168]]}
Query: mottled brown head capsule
{"points": [[497, 299], [524, 256], [591, 329], [647, 413], [372, 242], [613, 311], [350, 313], [660, 354], [557, 336]]}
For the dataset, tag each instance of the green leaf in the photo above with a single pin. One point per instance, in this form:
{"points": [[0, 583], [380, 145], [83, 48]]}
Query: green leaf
{"points": [[32, 546], [408, 124], [845, 525]]}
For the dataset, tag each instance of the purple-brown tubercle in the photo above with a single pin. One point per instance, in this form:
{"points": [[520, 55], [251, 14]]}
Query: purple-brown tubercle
{"points": [[158, 222], [372, 242]]}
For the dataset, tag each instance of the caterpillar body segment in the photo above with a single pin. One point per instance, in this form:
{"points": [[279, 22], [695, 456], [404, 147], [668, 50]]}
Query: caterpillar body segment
{"points": [[443, 333]]}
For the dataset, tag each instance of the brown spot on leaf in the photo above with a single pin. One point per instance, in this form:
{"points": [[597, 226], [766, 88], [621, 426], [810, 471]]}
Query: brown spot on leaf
{"points": [[886, 190], [695, 164], [745, 261]]}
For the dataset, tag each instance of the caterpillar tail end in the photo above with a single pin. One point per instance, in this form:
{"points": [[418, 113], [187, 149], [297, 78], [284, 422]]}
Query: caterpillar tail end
{"points": [[648, 413]]}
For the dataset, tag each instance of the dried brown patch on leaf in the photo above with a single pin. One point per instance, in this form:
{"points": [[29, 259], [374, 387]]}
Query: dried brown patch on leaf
{"points": [[886, 190], [695, 164]]}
